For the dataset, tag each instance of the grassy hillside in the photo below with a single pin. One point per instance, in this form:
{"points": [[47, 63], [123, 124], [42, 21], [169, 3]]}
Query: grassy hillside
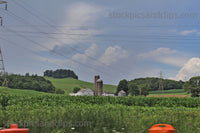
{"points": [[68, 84], [21, 92], [169, 93]]}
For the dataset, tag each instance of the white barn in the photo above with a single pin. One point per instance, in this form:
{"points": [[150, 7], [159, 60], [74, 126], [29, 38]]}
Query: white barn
{"points": [[83, 92], [122, 93]]}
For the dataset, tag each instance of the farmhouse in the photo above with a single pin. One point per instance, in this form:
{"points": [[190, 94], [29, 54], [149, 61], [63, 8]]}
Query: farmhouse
{"points": [[122, 93]]}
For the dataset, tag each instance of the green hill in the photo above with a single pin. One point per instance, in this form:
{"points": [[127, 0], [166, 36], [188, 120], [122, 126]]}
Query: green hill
{"points": [[68, 84], [21, 92]]}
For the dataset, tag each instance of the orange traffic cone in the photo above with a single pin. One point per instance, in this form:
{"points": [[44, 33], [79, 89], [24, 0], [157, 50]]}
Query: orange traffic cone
{"points": [[162, 128], [14, 129]]}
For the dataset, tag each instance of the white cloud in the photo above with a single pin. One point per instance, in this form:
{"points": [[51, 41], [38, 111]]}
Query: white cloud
{"points": [[77, 60], [190, 69], [112, 55], [87, 56], [77, 16], [157, 52], [94, 58], [165, 55], [82, 13], [187, 32]]}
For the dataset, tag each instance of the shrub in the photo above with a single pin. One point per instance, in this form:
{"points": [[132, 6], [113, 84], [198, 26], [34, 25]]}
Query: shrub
{"points": [[60, 91]]}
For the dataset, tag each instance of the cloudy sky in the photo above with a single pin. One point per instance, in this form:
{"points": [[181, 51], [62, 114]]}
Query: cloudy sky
{"points": [[113, 38]]}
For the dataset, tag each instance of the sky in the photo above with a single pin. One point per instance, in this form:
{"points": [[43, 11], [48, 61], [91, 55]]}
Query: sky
{"points": [[112, 38]]}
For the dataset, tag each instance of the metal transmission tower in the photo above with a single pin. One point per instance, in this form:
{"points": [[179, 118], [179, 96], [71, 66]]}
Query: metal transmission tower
{"points": [[2, 67], [2, 70], [3, 2], [161, 82]]}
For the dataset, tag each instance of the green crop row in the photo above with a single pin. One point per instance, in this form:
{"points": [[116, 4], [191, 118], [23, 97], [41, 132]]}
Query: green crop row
{"points": [[54, 100], [84, 118]]}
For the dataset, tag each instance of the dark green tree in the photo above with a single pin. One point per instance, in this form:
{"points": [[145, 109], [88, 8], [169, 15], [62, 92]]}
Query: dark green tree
{"points": [[27, 74], [60, 91], [76, 89], [145, 89], [33, 82], [123, 85], [193, 86], [61, 73], [133, 89]]}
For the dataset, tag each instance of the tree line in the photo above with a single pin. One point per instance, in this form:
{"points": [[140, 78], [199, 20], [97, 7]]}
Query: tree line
{"points": [[132, 88], [155, 83], [28, 82], [142, 86], [60, 73]]}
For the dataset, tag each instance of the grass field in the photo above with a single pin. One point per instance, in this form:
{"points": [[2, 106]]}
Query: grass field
{"points": [[68, 84], [169, 93], [173, 91], [21, 92]]}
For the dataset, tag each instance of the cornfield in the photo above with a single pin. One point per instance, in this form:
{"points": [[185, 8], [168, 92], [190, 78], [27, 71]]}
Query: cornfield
{"points": [[66, 114]]}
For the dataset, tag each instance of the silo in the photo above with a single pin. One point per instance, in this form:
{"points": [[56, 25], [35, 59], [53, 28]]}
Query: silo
{"points": [[99, 87], [96, 77]]}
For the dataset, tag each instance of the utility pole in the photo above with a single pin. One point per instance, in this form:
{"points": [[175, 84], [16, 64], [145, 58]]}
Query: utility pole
{"points": [[161, 81], [2, 66]]}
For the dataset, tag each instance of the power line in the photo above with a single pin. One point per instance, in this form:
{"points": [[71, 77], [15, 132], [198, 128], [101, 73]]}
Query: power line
{"points": [[52, 37], [112, 25], [148, 36], [71, 38], [41, 18], [23, 36], [132, 40], [135, 36], [90, 57], [30, 50], [60, 54], [50, 51]]}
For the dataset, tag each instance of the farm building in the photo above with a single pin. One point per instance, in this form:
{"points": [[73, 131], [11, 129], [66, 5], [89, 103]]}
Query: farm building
{"points": [[108, 94], [122, 93], [83, 92]]}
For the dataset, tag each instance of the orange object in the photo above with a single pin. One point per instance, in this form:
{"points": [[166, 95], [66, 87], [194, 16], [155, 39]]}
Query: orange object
{"points": [[162, 128], [14, 129]]}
